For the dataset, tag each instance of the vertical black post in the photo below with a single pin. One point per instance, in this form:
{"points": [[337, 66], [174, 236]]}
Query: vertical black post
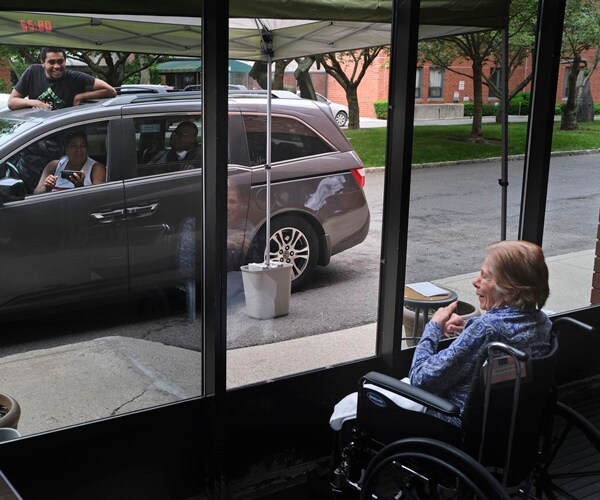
{"points": [[503, 181], [541, 119], [215, 36], [398, 163]]}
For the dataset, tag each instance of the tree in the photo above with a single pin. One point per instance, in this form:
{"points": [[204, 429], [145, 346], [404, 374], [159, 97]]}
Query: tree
{"points": [[118, 67], [114, 67], [581, 32], [348, 69], [483, 49]]}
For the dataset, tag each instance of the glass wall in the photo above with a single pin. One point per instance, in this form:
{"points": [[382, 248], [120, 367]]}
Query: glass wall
{"points": [[571, 229], [100, 227], [325, 229]]}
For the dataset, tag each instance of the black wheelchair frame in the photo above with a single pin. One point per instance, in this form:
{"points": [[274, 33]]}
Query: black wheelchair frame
{"points": [[511, 442]]}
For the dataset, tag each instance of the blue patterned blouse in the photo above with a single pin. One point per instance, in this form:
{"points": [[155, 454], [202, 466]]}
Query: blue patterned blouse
{"points": [[448, 373]]}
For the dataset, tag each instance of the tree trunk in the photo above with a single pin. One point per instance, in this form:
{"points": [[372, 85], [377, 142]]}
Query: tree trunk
{"points": [[353, 108], [585, 105], [259, 73], [303, 79], [145, 77], [278, 74], [477, 127], [569, 114]]}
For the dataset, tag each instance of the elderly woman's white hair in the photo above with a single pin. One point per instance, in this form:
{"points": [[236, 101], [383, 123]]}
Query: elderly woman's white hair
{"points": [[520, 272]]}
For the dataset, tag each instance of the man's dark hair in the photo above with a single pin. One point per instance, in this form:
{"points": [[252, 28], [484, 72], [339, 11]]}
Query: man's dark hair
{"points": [[45, 51]]}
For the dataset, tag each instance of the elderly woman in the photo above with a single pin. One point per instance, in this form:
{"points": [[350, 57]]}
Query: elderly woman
{"points": [[512, 287]]}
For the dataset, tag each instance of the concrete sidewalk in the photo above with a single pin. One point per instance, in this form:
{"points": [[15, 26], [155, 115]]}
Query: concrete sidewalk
{"points": [[466, 120], [108, 376]]}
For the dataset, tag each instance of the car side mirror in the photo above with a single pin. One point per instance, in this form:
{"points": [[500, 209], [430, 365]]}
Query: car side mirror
{"points": [[11, 190]]}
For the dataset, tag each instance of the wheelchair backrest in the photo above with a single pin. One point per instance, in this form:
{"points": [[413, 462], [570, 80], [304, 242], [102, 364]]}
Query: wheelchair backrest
{"points": [[503, 419]]}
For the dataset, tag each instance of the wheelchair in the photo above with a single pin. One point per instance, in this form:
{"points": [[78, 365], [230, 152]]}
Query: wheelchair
{"points": [[514, 440]]}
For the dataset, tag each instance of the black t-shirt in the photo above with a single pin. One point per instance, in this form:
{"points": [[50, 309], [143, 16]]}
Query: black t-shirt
{"points": [[58, 93]]}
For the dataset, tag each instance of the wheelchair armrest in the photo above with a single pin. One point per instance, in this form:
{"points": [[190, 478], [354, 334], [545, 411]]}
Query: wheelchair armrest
{"points": [[410, 392]]}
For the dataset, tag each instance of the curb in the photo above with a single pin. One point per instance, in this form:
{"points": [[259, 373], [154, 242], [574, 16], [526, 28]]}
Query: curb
{"points": [[489, 160]]}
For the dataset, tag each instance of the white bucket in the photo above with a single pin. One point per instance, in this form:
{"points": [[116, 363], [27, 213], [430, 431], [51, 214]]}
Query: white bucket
{"points": [[267, 289]]}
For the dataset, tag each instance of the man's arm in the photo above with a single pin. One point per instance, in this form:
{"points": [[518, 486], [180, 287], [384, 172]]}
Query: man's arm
{"points": [[19, 101], [99, 90]]}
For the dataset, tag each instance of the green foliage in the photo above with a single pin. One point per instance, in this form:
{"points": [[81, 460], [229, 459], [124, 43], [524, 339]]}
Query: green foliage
{"points": [[5, 86], [520, 104], [381, 109], [488, 109], [132, 68], [597, 108]]}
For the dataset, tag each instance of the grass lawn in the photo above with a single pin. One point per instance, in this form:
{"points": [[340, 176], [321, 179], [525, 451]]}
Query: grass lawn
{"points": [[438, 143]]}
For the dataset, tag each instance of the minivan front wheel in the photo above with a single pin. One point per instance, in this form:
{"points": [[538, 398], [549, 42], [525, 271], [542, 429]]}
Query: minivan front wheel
{"points": [[294, 241], [341, 118]]}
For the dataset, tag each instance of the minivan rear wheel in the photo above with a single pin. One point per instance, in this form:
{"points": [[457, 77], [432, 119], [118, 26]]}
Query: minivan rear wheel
{"points": [[293, 240]]}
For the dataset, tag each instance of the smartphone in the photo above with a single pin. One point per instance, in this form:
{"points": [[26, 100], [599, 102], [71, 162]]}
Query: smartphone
{"points": [[66, 174]]}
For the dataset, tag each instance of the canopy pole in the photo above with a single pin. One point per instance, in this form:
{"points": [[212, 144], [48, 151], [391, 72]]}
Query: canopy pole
{"points": [[503, 181], [267, 45]]}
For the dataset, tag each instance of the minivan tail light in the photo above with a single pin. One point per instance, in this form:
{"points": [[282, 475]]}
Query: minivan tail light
{"points": [[359, 176]]}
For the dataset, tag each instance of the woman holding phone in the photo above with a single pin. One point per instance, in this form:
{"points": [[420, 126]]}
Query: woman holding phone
{"points": [[75, 169]]}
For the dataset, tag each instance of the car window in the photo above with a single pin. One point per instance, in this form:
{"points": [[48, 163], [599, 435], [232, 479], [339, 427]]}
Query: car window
{"points": [[28, 164], [290, 137], [168, 144]]}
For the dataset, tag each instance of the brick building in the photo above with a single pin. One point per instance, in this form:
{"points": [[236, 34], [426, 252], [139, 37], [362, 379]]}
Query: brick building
{"points": [[435, 86]]}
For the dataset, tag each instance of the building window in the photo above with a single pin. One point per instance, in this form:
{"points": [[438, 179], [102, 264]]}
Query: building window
{"points": [[496, 80], [436, 83], [419, 83]]}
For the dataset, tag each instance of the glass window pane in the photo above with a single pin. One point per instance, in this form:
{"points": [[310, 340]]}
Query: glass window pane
{"points": [[288, 318], [99, 266]]}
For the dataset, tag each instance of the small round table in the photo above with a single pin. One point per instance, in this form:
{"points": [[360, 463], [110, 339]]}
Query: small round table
{"points": [[423, 303]]}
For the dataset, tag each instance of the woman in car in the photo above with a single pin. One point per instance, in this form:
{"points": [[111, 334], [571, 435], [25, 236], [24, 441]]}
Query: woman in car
{"points": [[75, 169], [512, 287]]}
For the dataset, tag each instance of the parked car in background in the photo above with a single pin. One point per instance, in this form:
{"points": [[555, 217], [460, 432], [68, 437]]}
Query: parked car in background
{"points": [[230, 86], [340, 112], [143, 88], [140, 231]]}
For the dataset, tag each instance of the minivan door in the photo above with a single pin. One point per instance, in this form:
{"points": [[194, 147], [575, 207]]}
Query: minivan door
{"points": [[67, 246]]}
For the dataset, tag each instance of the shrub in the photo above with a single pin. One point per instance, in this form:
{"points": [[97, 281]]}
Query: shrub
{"points": [[381, 109], [488, 109], [520, 104], [597, 108]]}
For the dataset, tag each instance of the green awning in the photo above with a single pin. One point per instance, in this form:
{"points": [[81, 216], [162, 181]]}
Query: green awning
{"points": [[187, 66], [195, 65]]}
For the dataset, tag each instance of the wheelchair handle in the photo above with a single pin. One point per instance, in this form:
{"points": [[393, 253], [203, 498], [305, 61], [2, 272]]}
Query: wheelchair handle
{"points": [[500, 346], [567, 321]]}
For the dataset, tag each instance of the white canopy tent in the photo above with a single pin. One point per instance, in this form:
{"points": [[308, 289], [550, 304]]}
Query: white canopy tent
{"points": [[299, 28]]}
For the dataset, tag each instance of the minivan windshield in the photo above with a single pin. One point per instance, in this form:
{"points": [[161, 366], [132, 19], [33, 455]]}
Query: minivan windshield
{"points": [[8, 127]]}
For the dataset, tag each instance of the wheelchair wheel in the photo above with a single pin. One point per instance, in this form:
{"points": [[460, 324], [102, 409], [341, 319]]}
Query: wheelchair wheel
{"points": [[425, 468], [571, 462]]}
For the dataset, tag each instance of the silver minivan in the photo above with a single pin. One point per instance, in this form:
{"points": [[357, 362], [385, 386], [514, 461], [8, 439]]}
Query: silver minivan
{"points": [[141, 229]]}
